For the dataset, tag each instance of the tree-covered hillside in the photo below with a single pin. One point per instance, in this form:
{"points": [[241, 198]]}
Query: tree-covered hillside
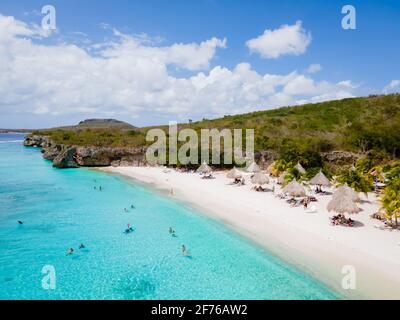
{"points": [[367, 124]]}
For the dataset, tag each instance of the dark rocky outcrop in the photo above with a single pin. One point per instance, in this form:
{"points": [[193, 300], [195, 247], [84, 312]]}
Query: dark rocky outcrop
{"points": [[341, 157], [64, 156], [95, 157], [36, 141], [66, 159], [52, 151]]}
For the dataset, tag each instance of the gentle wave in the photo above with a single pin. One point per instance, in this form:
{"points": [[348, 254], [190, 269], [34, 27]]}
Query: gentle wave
{"points": [[11, 141]]}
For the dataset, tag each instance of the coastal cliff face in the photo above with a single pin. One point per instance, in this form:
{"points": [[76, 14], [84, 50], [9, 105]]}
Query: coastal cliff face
{"points": [[64, 156]]}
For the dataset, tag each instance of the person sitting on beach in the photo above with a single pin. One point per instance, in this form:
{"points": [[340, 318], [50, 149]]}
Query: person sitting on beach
{"points": [[70, 251], [81, 246]]}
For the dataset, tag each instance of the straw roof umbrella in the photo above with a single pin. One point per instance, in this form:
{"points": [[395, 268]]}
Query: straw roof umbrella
{"points": [[259, 179], [204, 168], [346, 190], [281, 178], [295, 189], [234, 174], [300, 168], [320, 180], [343, 204], [253, 168]]}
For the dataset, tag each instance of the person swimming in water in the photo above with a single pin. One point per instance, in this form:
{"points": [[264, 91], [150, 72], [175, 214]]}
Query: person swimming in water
{"points": [[100, 188], [20, 222], [129, 229], [172, 232], [82, 246], [185, 251], [125, 209], [132, 206], [70, 251]]}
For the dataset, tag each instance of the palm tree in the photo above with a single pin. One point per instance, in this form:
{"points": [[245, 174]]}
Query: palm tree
{"points": [[391, 200], [357, 181], [293, 174]]}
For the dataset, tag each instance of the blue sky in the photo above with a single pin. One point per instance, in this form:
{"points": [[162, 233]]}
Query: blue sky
{"points": [[367, 58]]}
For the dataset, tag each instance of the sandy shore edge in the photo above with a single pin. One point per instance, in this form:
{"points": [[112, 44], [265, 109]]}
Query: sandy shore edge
{"points": [[308, 243]]}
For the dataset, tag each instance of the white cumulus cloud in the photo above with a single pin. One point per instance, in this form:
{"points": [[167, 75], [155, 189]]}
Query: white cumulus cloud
{"points": [[392, 86], [128, 76], [287, 40], [314, 68]]}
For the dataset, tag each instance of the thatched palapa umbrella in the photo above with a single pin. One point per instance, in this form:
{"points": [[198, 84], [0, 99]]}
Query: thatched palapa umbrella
{"points": [[259, 179], [300, 168], [204, 168], [295, 189], [320, 180], [253, 168], [234, 174], [343, 204], [347, 191]]}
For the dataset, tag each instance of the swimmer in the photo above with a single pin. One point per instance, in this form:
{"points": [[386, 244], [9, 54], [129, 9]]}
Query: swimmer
{"points": [[129, 229], [132, 206], [82, 246], [125, 209], [185, 251], [100, 188], [70, 251], [20, 222]]}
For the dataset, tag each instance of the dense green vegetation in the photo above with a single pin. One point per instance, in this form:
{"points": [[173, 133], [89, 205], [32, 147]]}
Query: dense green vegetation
{"points": [[99, 137], [391, 200], [301, 133]]}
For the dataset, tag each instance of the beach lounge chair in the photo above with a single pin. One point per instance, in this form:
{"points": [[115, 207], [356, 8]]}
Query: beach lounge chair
{"points": [[311, 209]]}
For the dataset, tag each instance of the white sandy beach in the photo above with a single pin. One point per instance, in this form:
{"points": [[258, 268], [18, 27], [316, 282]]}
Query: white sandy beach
{"points": [[306, 240]]}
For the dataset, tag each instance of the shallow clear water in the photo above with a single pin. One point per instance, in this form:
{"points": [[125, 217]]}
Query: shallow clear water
{"points": [[61, 209]]}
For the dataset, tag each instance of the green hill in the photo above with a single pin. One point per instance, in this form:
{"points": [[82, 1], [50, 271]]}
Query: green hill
{"points": [[362, 125]]}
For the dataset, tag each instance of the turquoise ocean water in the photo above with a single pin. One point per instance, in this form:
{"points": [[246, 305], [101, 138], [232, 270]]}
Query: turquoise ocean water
{"points": [[61, 209]]}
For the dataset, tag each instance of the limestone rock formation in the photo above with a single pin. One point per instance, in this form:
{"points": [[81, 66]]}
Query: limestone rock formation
{"points": [[66, 159]]}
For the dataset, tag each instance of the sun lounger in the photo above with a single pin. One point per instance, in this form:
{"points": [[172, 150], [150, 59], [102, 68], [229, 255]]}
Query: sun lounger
{"points": [[311, 209]]}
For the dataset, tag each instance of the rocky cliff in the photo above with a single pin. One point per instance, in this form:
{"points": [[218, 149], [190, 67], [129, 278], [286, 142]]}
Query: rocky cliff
{"points": [[65, 156]]}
